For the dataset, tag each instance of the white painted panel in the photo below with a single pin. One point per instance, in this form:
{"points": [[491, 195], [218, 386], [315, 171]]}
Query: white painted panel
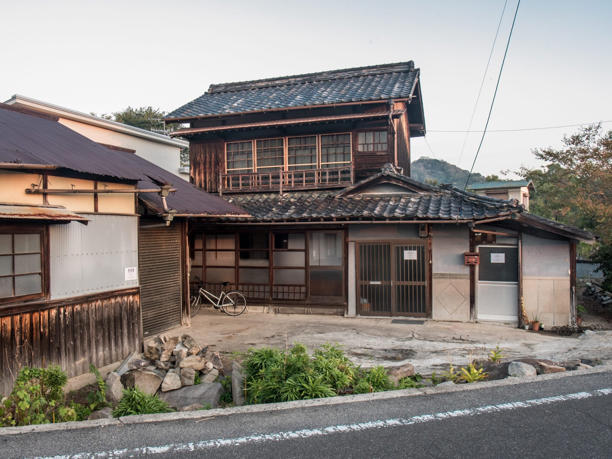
{"points": [[545, 257], [92, 258], [449, 242], [497, 301], [352, 286]]}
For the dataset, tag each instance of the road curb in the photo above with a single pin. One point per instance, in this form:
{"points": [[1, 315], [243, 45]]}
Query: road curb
{"points": [[274, 407]]}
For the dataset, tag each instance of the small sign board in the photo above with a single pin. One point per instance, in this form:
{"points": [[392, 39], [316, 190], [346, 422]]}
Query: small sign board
{"points": [[375, 283], [410, 255], [498, 257], [131, 273]]}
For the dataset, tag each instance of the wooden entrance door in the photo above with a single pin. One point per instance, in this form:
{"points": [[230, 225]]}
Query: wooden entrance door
{"points": [[393, 278]]}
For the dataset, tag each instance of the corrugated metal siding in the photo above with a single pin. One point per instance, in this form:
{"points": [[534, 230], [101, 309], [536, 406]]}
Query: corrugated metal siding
{"points": [[160, 277], [92, 258]]}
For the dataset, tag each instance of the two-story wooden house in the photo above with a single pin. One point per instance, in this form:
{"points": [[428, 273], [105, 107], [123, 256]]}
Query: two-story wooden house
{"points": [[321, 162]]}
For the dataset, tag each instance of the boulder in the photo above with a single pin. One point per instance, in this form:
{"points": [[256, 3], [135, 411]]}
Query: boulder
{"points": [[583, 366], [137, 364], [179, 354], [203, 394], [237, 384], [193, 361], [208, 366], [162, 365], [194, 407], [546, 368], [153, 349], [211, 376], [189, 342], [165, 355], [114, 388], [188, 376], [145, 380], [398, 372], [169, 342], [172, 381], [215, 358], [570, 365], [104, 413], [521, 370], [494, 370]]}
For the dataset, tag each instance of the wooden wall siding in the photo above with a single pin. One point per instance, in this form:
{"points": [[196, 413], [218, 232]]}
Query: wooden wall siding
{"points": [[73, 333], [207, 159]]}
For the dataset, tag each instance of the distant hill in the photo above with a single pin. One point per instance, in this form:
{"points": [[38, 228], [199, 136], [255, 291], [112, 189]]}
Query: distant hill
{"points": [[438, 171]]}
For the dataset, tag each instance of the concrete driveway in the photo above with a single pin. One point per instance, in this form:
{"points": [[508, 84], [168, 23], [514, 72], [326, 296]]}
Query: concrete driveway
{"points": [[428, 345]]}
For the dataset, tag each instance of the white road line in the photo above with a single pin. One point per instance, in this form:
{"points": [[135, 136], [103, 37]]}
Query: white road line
{"points": [[307, 433]]}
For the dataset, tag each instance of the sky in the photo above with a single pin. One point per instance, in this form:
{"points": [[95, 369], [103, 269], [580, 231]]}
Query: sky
{"points": [[102, 56]]}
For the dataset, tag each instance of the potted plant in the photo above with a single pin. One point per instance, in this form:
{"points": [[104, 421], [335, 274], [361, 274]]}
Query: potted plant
{"points": [[580, 311], [535, 323]]}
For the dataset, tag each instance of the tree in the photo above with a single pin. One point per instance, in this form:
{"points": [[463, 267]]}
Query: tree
{"points": [[149, 118], [575, 187]]}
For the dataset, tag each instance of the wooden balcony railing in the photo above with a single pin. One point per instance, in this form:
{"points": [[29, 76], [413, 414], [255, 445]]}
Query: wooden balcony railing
{"points": [[287, 180]]}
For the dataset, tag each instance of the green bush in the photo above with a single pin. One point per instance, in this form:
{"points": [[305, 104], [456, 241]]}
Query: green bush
{"points": [[374, 379], [412, 382], [37, 398], [134, 401], [226, 397]]}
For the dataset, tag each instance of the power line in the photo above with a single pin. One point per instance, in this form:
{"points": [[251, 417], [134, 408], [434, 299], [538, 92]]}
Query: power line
{"points": [[542, 128], [501, 69], [482, 83], [429, 147]]}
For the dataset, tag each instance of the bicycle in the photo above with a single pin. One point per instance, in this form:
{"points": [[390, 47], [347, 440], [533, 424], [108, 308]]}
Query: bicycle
{"points": [[232, 303]]}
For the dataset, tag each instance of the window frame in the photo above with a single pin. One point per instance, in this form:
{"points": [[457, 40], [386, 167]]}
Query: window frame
{"points": [[286, 167], [371, 152], [42, 230]]}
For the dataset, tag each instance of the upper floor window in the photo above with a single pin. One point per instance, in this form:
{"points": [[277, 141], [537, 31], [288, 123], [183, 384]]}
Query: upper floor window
{"points": [[335, 150], [372, 141], [289, 153], [239, 156], [270, 154], [21, 265]]}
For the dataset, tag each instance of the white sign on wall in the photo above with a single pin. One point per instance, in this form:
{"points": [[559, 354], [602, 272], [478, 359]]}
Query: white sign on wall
{"points": [[498, 257], [131, 273], [410, 255]]}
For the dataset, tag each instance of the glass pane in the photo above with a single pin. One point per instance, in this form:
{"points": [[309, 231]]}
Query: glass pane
{"points": [[27, 264], [197, 258], [239, 156], [326, 249], [254, 276], [6, 243], [292, 241], [295, 259], [498, 264], [27, 243], [220, 258], [218, 275], [302, 152], [255, 240], [254, 258], [6, 287], [28, 285], [270, 152], [335, 148], [289, 277], [220, 241], [6, 265]]}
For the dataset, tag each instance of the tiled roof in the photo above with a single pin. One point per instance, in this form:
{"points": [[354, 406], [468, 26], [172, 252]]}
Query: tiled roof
{"points": [[499, 184], [379, 82], [443, 204]]}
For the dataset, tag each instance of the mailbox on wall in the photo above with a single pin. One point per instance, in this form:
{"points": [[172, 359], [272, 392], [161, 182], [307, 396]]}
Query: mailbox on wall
{"points": [[471, 258]]}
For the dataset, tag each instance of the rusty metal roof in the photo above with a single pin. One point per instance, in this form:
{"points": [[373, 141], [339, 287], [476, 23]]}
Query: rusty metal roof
{"points": [[45, 213], [30, 138]]}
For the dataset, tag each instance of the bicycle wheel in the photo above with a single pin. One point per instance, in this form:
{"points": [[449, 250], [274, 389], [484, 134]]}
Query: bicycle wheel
{"points": [[234, 304], [195, 302]]}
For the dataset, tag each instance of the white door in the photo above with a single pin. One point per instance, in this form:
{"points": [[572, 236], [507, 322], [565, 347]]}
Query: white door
{"points": [[497, 283]]}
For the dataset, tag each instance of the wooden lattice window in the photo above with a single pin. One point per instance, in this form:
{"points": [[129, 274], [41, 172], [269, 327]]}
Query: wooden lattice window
{"points": [[21, 265], [270, 155], [239, 157], [302, 152], [372, 141], [335, 150]]}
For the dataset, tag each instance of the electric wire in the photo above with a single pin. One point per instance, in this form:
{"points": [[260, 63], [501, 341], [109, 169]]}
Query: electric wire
{"points": [[541, 128], [501, 69], [484, 75]]}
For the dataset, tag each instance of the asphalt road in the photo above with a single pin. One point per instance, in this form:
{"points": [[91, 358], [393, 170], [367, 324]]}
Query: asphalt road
{"points": [[568, 417]]}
